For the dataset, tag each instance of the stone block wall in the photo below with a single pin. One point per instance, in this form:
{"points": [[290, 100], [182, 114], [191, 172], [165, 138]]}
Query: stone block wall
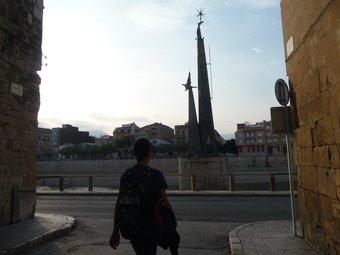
{"points": [[110, 166], [206, 170], [20, 58], [312, 44]]}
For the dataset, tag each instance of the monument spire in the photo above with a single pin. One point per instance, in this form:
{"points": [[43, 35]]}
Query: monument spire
{"points": [[193, 129], [206, 123]]}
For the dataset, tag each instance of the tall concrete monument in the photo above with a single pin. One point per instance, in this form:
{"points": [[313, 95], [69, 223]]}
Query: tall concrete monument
{"points": [[202, 172], [206, 123], [203, 140]]}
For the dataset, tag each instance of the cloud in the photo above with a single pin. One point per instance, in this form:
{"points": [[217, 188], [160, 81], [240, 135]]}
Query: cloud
{"points": [[257, 4], [164, 15], [257, 50], [154, 16]]}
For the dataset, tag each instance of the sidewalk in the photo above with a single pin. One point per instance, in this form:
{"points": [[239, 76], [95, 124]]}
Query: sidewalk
{"points": [[16, 238], [267, 237]]}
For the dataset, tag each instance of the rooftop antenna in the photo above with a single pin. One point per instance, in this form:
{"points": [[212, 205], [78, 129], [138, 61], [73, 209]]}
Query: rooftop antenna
{"points": [[210, 69]]}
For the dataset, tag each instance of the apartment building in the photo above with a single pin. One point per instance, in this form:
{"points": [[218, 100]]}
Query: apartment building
{"points": [[69, 134], [181, 134], [125, 130], [158, 131], [258, 140], [104, 139], [155, 131]]}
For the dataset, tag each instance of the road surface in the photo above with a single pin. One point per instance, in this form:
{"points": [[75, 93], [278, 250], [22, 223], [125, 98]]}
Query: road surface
{"points": [[204, 222]]}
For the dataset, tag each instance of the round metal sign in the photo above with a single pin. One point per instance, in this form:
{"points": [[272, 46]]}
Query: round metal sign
{"points": [[281, 92]]}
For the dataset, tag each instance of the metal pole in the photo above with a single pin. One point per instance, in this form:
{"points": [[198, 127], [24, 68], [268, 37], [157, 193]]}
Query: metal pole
{"points": [[291, 186]]}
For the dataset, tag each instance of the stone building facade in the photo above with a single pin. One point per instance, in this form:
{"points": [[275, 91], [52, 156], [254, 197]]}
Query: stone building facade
{"points": [[312, 45], [20, 58]]}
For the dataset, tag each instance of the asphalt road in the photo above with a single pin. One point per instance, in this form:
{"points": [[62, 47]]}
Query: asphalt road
{"points": [[204, 222], [187, 208]]}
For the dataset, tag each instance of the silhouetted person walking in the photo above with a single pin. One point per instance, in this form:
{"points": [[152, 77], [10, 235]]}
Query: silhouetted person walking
{"points": [[143, 213]]}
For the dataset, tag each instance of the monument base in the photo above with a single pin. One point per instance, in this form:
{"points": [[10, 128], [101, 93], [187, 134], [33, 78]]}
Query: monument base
{"points": [[203, 173]]}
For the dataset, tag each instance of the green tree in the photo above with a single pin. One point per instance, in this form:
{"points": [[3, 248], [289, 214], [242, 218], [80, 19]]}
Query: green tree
{"points": [[70, 150], [228, 147], [164, 149], [125, 142], [107, 148]]}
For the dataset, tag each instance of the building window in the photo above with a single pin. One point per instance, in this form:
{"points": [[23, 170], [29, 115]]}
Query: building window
{"points": [[250, 134], [250, 140], [259, 134]]}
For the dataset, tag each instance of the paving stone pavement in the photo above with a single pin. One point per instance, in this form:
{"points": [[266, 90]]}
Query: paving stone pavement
{"points": [[268, 237]]}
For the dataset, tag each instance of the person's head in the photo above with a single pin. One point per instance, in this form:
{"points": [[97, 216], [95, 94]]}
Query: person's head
{"points": [[142, 149]]}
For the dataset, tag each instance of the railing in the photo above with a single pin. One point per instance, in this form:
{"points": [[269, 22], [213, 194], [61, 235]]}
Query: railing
{"points": [[193, 178]]}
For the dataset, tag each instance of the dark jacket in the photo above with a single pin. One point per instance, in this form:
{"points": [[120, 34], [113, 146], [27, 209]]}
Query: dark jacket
{"points": [[169, 238]]}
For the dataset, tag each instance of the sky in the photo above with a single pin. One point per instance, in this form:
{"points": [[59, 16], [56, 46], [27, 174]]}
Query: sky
{"points": [[112, 62]]}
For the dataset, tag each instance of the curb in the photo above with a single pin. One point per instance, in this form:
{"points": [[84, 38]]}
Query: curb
{"points": [[37, 240], [236, 246]]}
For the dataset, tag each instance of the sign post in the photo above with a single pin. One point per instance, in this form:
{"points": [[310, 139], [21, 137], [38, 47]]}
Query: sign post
{"points": [[282, 96]]}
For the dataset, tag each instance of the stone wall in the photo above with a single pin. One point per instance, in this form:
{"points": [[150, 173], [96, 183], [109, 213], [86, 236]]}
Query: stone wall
{"points": [[312, 42], [110, 166], [206, 170], [20, 49]]}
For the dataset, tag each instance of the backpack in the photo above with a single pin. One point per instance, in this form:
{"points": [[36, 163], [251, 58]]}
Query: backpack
{"points": [[129, 215]]}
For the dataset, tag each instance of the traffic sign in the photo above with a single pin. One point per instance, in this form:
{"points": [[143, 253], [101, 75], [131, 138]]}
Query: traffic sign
{"points": [[281, 92]]}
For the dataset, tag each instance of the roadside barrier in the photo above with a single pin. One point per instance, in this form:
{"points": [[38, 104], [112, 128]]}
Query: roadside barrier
{"points": [[231, 178]]}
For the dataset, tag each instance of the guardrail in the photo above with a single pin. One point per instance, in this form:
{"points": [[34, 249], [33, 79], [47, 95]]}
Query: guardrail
{"points": [[193, 178]]}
